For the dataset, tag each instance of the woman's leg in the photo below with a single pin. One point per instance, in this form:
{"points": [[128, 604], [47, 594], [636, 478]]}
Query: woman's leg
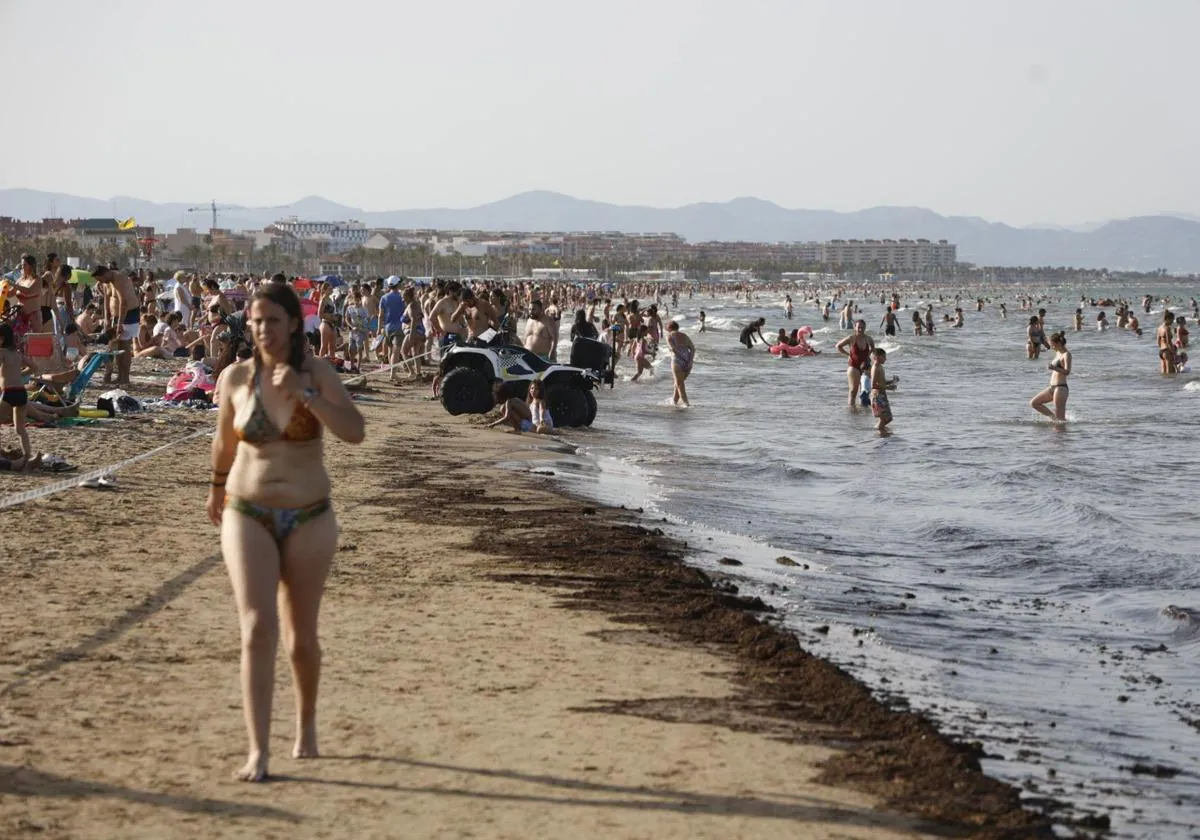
{"points": [[252, 559], [681, 377], [307, 554], [1060, 404], [517, 411], [1038, 403], [854, 378]]}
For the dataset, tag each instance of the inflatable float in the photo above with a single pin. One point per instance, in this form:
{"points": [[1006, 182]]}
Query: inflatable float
{"points": [[800, 348], [184, 384]]}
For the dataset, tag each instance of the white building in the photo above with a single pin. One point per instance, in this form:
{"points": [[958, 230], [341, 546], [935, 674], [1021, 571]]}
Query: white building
{"points": [[340, 236], [575, 275]]}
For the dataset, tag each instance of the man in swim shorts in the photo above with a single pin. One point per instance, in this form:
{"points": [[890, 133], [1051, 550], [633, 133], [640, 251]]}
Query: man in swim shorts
{"points": [[391, 319], [123, 317]]}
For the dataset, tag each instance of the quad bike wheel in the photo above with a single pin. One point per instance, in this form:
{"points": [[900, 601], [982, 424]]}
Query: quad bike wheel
{"points": [[466, 391], [568, 406]]}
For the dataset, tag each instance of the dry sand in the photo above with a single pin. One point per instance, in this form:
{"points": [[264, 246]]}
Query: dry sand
{"points": [[500, 661]]}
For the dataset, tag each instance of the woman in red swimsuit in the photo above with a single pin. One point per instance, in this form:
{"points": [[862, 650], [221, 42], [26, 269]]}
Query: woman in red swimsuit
{"points": [[858, 347], [278, 531]]}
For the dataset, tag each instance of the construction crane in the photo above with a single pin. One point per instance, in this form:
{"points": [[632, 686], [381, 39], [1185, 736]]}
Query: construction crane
{"points": [[214, 207]]}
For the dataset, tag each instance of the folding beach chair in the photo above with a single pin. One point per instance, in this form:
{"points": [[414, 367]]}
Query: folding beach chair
{"points": [[81, 381]]}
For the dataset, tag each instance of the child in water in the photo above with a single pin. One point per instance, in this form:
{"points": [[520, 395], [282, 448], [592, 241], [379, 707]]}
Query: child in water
{"points": [[880, 385]]}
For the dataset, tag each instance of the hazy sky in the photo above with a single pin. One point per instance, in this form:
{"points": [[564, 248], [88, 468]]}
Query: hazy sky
{"points": [[1015, 110]]}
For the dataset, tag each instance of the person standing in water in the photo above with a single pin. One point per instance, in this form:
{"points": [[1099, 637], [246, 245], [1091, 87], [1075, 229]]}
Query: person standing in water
{"points": [[1056, 393], [683, 354], [889, 322], [1035, 338], [880, 385], [1166, 343], [787, 306], [754, 328], [857, 347]]}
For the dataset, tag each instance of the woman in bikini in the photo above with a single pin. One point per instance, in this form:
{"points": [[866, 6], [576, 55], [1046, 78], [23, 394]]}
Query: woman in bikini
{"points": [[1035, 338], [859, 346], [278, 531], [1060, 369], [683, 355]]}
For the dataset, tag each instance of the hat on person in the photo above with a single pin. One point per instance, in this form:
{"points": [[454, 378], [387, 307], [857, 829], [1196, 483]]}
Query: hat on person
{"points": [[393, 281]]}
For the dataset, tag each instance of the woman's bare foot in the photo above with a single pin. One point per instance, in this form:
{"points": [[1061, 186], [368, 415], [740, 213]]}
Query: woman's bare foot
{"points": [[255, 769], [306, 743]]}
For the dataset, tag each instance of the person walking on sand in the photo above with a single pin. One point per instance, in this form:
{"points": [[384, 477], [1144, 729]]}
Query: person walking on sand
{"points": [[278, 530], [12, 392], [857, 346], [1056, 392], [880, 385], [683, 354]]}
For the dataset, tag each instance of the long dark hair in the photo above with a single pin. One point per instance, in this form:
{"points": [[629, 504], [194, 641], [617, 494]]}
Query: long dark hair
{"points": [[284, 296]]}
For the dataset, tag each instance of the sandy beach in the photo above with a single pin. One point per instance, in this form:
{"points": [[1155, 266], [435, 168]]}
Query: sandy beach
{"points": [[501, 660]]}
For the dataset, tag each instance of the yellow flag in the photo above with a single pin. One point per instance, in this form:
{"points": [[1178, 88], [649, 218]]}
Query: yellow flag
{"points": [[126, 224]]}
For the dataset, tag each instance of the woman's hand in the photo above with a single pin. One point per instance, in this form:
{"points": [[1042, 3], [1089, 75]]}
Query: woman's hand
{"points": [[285, 378], [216, 505]]}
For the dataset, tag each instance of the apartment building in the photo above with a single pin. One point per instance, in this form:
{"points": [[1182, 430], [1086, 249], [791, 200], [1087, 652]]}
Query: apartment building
{"points": [[623, 246], [20, 229], [894, 254]]}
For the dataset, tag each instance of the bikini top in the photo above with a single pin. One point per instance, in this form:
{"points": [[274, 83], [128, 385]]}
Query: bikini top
{"points": [[258, 428]]}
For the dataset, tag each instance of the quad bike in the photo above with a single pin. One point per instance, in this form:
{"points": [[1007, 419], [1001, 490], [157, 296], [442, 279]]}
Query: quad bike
{"points": [[470, 371]]}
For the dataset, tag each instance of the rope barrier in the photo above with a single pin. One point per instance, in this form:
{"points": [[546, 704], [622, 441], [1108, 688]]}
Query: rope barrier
{"points": [[359, 377], [76, 480]]}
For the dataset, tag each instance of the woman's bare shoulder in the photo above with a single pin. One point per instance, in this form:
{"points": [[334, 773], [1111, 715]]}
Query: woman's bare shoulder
{"points": [[237, 374]]}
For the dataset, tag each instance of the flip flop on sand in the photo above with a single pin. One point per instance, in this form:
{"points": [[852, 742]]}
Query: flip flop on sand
{"points": [[104, 482]]}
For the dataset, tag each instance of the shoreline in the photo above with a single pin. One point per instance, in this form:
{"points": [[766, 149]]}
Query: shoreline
{"points": [[591, 560]]}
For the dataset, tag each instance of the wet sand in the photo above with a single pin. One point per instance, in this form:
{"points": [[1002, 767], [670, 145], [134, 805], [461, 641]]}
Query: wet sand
{"points": [[500, 661]]}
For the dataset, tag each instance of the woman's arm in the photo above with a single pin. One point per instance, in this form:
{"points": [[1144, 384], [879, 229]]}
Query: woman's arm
{"points": [[843, 344], [333, 406], [1065, 365], [224, 448]]}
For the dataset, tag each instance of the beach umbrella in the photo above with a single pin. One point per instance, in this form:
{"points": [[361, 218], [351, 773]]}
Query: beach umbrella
{"points": [[302, 283], [331, 279], [82, 278]]}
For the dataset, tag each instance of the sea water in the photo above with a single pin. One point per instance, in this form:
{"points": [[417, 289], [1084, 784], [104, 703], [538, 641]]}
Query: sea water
{"points": [[1029, 586]]}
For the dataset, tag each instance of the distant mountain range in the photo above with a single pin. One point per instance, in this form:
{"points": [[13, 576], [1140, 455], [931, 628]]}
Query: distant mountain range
{"points": [[1143, 243]]}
